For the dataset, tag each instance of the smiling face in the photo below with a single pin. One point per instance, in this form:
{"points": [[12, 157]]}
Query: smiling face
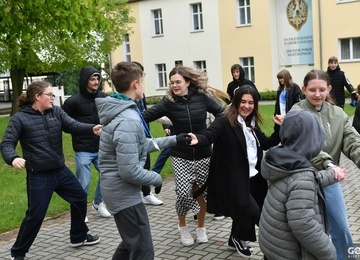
{"points": [[333, 64], [246, 106], [179, 85], [316, 91]]}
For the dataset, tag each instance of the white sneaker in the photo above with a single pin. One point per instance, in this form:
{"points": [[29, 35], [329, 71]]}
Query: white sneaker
{"points": [[186, 238], [86, 219], [218, 217], [151, 200], [101, 208], [201, 236]]}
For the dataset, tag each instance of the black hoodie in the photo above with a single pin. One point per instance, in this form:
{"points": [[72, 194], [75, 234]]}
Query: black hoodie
{"points": [[81, 107], [238, 83]]}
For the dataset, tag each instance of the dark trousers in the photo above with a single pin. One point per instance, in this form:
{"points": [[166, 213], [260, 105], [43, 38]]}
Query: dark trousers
{"points": [[40, 187], [145, 188], [161, 160], [258, 190], [134, 228]]}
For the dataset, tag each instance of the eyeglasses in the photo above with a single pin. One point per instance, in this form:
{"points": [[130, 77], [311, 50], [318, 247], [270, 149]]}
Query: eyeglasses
{"points": [[51, 95]]}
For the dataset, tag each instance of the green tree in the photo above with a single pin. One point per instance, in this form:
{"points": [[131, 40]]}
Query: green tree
{"points": [[39, 36]]}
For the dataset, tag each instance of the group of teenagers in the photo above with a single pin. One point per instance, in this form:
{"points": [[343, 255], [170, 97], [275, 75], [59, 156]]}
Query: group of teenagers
{"points": [[291, 192]]}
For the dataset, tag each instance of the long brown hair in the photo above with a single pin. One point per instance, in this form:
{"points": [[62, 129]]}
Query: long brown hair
{"points": [[35, 88], [288, 82], [322, 75], [232, 111], [198, 82]]}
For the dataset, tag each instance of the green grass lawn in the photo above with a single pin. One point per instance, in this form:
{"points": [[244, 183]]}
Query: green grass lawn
{"points": [[13, 200]]}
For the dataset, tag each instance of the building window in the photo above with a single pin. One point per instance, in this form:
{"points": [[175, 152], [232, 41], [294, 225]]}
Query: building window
{"points": [[158, 24], [197, 17], [248, 66], [350, 49], [126, 46], [178, 63], [161, 72], [200, 64], [244, 12]]}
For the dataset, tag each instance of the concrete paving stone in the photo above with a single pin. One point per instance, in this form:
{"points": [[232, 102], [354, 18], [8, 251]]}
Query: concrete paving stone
{"points": [[53, 241]]}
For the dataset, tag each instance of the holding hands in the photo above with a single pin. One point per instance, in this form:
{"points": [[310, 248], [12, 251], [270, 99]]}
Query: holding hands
{"points": [[97, 130], [339, 173], [278, 119]]}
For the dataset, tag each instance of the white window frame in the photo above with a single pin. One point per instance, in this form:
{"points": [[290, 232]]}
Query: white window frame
{"points": [[346, 1], [248, 65], [158, 29], [350, 47], [197, 17], [243, 12], [200, 64], [126, 48], [161, 81]]}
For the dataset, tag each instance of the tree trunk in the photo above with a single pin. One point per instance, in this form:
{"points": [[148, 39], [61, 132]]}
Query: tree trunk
{"points": [[17, 80]]}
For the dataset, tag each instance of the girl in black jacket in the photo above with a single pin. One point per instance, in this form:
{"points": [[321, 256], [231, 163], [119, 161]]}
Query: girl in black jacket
{"points": [[288, 93], [235, 186], [186, 104], [38, 126]]}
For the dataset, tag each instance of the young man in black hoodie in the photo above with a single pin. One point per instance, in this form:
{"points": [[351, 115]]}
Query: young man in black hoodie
{"points": [[81, 107], [238, 74]]}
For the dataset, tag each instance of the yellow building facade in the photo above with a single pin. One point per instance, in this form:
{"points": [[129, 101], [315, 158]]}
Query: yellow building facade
{"points": [[263, 36]]}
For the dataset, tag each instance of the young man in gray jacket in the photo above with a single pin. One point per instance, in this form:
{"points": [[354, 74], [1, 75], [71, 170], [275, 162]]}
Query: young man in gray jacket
{"points": [[122, 155]]}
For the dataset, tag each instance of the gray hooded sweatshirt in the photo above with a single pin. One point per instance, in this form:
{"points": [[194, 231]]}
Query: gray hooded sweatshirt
{"points": [[292, 224], [122, 153]]}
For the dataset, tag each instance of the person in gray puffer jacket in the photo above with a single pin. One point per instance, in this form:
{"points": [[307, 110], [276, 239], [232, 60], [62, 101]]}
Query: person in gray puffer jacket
{"points": [[293, 220], [123, 150]]}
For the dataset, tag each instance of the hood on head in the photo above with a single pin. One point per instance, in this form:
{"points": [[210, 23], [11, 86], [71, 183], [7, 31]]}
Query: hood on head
{"points": [[301, 132], [85, 74], [242, 74]]}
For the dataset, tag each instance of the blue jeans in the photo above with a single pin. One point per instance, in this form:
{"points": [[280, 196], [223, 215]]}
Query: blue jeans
{"points": [[337, 219], [83, 162], [161, 160], [40, 187]]}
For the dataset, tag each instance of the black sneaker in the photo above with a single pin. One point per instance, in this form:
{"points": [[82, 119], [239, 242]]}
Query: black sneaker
{"points": [[232, 247], [17, 258], [89, 241], [241, 248]]}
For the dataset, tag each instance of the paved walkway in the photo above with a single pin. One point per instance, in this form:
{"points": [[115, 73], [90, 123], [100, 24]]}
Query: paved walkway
{"points": [[53, 240]]}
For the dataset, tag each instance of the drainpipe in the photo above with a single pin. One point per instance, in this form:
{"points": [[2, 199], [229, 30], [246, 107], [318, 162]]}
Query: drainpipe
{"points": [[320, 35]]}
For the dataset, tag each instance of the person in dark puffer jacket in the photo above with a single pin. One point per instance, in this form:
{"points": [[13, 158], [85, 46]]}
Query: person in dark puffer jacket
{"points": [[38, 126], [186, 104], [82, 108]]}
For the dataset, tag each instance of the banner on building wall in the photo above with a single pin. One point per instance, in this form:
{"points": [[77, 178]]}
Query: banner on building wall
{"points": [[295, 32]]}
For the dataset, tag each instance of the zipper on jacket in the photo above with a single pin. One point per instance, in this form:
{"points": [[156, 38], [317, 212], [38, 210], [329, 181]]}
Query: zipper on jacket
{"points": [[189, 118]]}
